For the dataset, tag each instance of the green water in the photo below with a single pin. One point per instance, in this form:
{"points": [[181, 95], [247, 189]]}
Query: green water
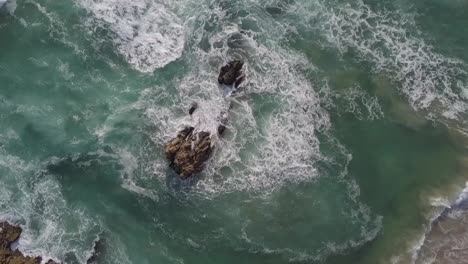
{"points": [[352, 122]]}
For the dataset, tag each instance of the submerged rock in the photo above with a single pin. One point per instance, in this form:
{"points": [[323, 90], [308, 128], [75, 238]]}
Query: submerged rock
{"points": [[8, 235], [232, 73], [189, 151]]}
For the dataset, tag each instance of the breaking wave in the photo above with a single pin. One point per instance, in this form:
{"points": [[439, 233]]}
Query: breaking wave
{"points": [[146, 33]]}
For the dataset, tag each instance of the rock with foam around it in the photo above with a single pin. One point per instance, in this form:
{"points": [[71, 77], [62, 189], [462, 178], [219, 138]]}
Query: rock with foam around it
{"points": [[188, 151], [232, 73]]}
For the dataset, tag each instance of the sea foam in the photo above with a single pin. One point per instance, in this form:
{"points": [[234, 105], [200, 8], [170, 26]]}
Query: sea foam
{"points": [[146, 33], [392, 42]]}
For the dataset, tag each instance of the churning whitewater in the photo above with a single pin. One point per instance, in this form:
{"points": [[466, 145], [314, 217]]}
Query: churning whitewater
{"points": [[345, 143]]}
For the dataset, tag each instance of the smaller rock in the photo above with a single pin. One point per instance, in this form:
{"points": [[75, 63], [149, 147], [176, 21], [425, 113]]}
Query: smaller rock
{"points": [[232, 73], [221, 129], [193, 108]]}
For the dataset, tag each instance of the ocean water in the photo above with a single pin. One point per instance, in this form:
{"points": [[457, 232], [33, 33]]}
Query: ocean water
{"points": [[347, 144]]}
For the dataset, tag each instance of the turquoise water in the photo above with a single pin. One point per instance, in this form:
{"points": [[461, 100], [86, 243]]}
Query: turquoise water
{"points": [[348, 139]]}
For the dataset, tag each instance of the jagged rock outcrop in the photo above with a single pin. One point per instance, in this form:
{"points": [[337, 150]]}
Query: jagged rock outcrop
{"points": [[188, 151], [231, 74], [8, 235]]}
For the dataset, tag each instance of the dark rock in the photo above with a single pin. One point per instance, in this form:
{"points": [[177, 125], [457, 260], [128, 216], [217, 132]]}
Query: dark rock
{"points": [[186, 131], [203, 134], [223, 121], [188, 151], [232, 73], [8, 235], [221, 129], [193, 108]]}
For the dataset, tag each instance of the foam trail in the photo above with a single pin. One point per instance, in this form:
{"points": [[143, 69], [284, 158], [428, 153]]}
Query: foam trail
{"points": [[146, 33], [392, 42]]}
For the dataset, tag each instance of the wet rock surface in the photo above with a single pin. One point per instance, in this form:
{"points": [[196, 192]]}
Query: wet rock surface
{"points": [[231, 74], [188, 151], [8, 235]]}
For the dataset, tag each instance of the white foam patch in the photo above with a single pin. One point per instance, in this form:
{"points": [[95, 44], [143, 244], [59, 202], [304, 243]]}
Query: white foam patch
{"points": [[392, 42], [64, 69], [146, 33]]}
